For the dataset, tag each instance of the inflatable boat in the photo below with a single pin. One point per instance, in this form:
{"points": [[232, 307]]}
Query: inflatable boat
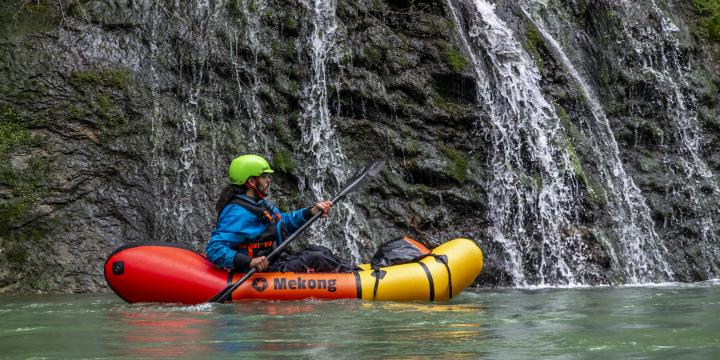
{"points": [[167, 273]]}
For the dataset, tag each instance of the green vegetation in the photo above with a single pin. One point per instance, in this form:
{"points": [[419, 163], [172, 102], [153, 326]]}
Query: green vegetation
{"points": [[411, 147], [575, 163], [595, 191], [710, 17], [405, 105], [11, 136], [603, 74], [283, 162], [528, 181], [453, 57], [448, 106], [656, 132], [404, 60], [534, 43], [377, 5], [117, 78], [23, 181], [106, 105], [74, 113], [20, 178], [18, 18], [347, 57], [458, 165], [25, 189], [233, 9], [373, 54], [289, 24], [102, 85], [283, 132]]}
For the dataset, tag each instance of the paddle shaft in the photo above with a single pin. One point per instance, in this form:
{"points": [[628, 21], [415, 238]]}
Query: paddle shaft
{"points": [[227, 292]]}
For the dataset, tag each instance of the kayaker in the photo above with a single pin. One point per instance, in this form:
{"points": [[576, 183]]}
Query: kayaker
{"points": [[248, 227]]}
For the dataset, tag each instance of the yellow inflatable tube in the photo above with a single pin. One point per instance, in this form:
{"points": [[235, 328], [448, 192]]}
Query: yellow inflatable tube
{"points": [[449, 269]]}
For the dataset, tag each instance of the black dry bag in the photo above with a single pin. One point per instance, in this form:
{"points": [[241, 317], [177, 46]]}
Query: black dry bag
{"points": [[315, 259], [401, 251], [398, 251]]}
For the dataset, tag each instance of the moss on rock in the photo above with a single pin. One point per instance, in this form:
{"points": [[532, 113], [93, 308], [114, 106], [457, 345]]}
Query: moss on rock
{"points": [[458, 165], [11, 136], [116, 78], [709, 11], [21, 182], [19, 18], [447, 105], [453, 57], [373, 55], [283, 162], [533, 44], [26, 191]]}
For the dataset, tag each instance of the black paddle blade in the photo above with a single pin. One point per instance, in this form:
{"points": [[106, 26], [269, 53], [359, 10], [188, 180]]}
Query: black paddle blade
{"points": [[361, 177]]}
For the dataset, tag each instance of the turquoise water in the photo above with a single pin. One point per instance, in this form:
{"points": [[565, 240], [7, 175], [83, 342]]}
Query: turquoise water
{"points": [[659, 322]]}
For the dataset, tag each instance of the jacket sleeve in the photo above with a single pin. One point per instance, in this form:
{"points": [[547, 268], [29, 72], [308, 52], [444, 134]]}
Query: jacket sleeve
{"points": [[231, 231], [294, 219]]}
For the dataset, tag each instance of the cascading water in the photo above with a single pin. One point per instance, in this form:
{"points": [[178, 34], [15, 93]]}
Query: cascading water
{"points": [[658, 54], [325, 168], [245, 76], [640, 250], [533, 190], [86, 79], [326, 164], [177, 197], [184, 208]]}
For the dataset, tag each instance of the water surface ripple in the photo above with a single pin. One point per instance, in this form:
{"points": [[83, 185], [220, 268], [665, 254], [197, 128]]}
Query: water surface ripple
{"points": [[668, 321]]}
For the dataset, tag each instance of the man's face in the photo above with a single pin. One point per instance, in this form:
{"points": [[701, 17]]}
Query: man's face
{"points": [[262, 183]]}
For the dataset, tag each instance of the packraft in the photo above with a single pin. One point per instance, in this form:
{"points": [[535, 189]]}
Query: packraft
{"points": [[167, 273]]}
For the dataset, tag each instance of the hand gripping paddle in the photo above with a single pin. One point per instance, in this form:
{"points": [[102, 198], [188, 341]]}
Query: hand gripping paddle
{"points": [[360, 178]]}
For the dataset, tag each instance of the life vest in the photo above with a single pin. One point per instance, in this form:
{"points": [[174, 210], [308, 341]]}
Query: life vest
{"points": [[274, 232]]}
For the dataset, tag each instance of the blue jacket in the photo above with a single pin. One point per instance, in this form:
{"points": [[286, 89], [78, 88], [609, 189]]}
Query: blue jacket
{"points": [[237, 225]]}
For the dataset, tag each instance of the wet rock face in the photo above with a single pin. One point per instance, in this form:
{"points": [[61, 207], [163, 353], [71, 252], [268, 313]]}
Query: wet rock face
{"points": [[118, 120], [121, 117], [651, 66], [653, 73]]}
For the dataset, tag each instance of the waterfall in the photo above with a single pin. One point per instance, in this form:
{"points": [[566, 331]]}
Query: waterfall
{"points": [[174, 152], [640, 250], [245, 76], [533, 190], [326, 165], [184, 190], [658, 54]]}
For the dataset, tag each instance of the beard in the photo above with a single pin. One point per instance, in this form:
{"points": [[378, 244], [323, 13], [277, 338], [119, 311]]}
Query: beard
{"points": [[264, 189]]}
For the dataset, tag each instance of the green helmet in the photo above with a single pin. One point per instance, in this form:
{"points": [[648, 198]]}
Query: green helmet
{"points": [[243, 167]]}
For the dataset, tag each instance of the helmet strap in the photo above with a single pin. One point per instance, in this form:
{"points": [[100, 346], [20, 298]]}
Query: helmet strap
{"points": [[258, 192]]}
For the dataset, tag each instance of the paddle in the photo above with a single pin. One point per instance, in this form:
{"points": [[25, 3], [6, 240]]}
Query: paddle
{"points": [[360, 178]]}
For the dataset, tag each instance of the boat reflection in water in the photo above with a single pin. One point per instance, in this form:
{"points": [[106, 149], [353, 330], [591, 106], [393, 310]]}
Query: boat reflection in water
{"points": [[257, 328]]}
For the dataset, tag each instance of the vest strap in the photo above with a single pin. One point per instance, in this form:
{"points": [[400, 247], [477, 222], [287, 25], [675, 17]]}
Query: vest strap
{"points": [[252, 246]]}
